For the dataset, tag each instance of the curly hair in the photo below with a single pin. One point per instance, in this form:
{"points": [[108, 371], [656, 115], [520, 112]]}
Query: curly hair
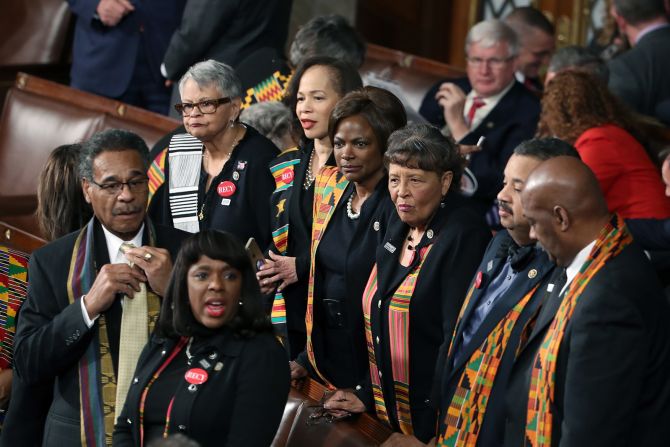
{"points": [[575, 101]]}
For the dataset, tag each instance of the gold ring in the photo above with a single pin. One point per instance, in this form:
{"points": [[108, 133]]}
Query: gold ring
{"points": [[147, 257]]}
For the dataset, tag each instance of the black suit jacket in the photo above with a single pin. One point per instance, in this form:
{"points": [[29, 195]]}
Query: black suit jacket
{"points": [[226, 31], [459, 239], [612, 386], [449, 369], [241, 404], [640, 75], [52, 335], [513, 120]]}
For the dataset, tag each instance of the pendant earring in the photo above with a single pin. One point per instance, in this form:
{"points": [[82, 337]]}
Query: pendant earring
{"points": [[241, 303]]}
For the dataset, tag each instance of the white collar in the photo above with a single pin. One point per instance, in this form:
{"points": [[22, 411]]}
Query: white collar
{"points": [[493, 99], [114, 243], [576, 264]]}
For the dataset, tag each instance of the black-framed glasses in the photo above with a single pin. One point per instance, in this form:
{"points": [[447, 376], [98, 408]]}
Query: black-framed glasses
{"points": [[494, 62], [205, 107], [115, 188]]}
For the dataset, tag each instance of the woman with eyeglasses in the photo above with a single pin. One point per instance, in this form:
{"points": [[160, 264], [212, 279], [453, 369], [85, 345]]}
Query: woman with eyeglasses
{"points": [[212, 370], [318, 83], [216, 174]]}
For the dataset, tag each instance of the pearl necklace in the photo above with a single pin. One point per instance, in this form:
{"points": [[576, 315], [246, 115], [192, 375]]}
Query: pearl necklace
{"points": [[350, 212], [309, 175]]}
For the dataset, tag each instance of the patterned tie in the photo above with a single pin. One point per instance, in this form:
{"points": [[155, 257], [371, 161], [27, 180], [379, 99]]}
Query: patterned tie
{"points": [[477, 103], [134, 335]]}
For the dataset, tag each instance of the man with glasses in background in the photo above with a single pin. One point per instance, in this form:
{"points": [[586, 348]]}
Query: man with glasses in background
{"points": [[488, 103], [94, 295]]}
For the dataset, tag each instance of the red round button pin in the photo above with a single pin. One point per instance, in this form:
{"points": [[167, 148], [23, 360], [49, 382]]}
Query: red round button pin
{"points": [[226, 189], [287, 177], [196, 376], [478, 280]]}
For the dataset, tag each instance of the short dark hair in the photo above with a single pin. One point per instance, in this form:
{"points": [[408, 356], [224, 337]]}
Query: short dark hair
{"points": [[423, 146], [579, 58], [381, 109], [639, 11], [529, 17], [176, 318], [110, 140], [329, 35], [344, 76], [546, 148]]}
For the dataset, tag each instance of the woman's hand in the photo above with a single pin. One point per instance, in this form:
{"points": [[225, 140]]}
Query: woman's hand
{"points": [[277, 268], [343, 403]]}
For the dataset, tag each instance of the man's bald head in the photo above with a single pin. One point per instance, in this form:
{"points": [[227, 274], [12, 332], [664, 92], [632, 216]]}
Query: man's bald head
{"points": [[565, 207]]}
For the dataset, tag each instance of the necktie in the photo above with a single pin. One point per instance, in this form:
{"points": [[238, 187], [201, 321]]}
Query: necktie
{"points": [[477, 103], [134, 335]]}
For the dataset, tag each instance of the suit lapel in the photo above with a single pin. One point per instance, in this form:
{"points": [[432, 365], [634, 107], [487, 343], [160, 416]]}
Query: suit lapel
{"points": [[501, 112], [546, 314]]}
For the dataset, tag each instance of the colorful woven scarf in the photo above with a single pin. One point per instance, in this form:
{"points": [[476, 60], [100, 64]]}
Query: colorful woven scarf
{"points": [[467, 408], [283, 172], [270, 89], [13, 291], [156, 173], [329, 187], [97, 381], [398, 323], [613, 238]]}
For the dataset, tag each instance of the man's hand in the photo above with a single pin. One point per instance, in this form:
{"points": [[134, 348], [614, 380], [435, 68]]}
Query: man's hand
{"points": [[112, 11], [112, 279], [155, 263], [343, 403], [400, 440], [277, 268], [452, 100]]}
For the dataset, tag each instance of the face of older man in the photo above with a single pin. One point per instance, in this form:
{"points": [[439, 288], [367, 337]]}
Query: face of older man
{"points": [[490, 69], [118, 191], [535, 52], [544, 227]]}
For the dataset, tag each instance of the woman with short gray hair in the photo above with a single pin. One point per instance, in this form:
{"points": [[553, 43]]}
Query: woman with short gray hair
{"points": [[216, 174]]}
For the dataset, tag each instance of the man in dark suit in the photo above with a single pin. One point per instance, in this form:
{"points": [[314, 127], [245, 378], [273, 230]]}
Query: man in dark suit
{"points": [[71, 325], [640, 75], [488, 103], [118, 48], [599, 349]]}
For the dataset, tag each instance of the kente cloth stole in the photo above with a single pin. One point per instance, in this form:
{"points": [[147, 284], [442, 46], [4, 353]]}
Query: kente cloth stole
{"points": [[465, 414], [398, 323], [13, 291], [284, 174], [613, 238], [329, 187], [185, 157], [156, 173], [97, 381], [270, 89]]}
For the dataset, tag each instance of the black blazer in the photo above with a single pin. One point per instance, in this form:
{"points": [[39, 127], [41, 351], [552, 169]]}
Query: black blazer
{"points": [[448, 371], [52, 335], [640, 75], [239, 405], [612, 386], [459, 239], [360, 259], [247, 215], [513, 120]]}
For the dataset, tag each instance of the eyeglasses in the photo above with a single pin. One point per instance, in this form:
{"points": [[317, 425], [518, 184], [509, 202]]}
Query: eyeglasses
{"points": [[494, 62], [205, 107], [115, 188]]}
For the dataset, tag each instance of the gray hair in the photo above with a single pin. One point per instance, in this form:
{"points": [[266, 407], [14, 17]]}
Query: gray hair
{"points": [[270, 118], [576, 57], [110, 140], [329, 35], [211, 72], [491, 32]]}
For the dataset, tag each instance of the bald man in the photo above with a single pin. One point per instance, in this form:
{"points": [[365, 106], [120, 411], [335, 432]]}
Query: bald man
{"points": [[599, 349]]}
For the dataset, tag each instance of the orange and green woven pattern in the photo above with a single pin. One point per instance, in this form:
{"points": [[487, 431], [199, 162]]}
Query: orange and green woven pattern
{"points": [[13, 291]]}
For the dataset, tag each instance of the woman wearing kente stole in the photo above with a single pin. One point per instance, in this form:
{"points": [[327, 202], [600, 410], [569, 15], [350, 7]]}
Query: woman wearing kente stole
{"points": [[315, 88], [432, 246], [350, 208]]}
